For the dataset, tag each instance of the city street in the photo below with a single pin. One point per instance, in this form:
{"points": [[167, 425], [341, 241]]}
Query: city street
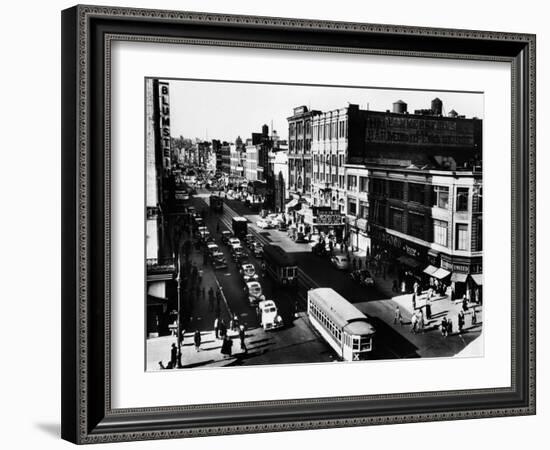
{"points": [[298, 341]]}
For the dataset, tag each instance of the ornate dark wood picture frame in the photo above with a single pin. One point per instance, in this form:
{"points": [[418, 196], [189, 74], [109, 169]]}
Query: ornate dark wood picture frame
{"points": [[87, 35]]}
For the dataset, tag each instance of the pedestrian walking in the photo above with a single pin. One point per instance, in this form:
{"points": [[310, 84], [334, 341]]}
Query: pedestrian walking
{"points": [[223, 329], [460, 321], [203, 294], [403, 287], [413, 296], [242, 335], [173, 355], [421, 321], [444, 327], [414, 323], [449, 326], [226, 346], [235, 326], [398, 317], [464, 303], [474, 317], [416, 286], [217, 327], [197, 340]]}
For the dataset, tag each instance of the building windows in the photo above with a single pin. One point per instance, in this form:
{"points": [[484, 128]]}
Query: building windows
{"points": [[396, 190], [396, 219], [461, 236], [377, 186], [327, 131], [352, 182], [416, 225], [480, 200], [352, 207], [479, 245], [341, 160], [440, 232], [441, 196], [462, 199], [416, 193], [363, 210], [341, 181], [363, 184]]}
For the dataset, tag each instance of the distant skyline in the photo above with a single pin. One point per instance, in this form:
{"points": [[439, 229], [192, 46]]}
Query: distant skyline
{"points": [[224, 110]]}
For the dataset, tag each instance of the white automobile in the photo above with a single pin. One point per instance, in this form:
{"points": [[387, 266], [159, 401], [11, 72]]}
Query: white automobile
{"points": [[264, 224], [269, 315], [254, 293], [233, 242], [340, 262], [248, 272]]}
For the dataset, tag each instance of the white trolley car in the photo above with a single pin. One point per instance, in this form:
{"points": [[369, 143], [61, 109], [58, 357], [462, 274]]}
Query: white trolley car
{"points": [[341, 324]]}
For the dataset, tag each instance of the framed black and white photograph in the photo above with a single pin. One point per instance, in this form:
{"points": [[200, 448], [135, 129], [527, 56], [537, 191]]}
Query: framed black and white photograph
{"points": [[281, 224]]}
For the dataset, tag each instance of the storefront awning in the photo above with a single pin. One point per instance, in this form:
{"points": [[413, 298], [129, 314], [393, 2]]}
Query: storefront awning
{"points": [[430, 270], [292, 203], [459, 277], [441, 273], [478, 278], [408, 261]]}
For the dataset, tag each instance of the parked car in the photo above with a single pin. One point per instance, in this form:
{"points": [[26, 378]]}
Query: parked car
{"points": [[203, 232], [248, 272], [225, 236], [254, 292], [268, 315], [218, 260], [340, 262], [363, 277], [319, 249], [282, 226], [248, 240], [258, 250], [238, 254], [212, 248], [264, 224], [233, 241]]}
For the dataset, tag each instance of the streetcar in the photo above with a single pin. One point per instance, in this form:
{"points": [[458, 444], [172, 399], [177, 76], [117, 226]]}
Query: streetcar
{"points": [[279, 265], [346, 329]]}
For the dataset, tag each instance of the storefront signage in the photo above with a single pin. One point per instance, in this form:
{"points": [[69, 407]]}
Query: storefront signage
{"points": [[164, 119], [328, 219]]}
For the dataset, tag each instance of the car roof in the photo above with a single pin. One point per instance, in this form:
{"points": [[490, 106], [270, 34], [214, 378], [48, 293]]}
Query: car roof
{"points": [[266, 303], [247, 265], [253, 284]]}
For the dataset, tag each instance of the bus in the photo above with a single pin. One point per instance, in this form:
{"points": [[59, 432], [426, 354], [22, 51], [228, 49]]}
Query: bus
{"points": [[279, 265], [346, 329]]}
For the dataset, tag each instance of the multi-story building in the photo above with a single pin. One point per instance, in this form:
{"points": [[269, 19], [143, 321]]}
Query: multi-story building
{"points": [[299, 151], [251, 162], [158, 250], [334, 133], [414, 191], [225, 158]]}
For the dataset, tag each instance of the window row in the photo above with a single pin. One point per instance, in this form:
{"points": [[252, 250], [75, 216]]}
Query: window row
{"points": [[327, 323], [331, 130]]}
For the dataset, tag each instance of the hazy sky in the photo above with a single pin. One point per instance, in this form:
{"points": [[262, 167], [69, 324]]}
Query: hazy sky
{"points": [[225, 110]]}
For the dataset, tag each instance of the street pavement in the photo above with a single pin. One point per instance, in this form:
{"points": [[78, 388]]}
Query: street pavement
{"points": [[298, 342]]}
